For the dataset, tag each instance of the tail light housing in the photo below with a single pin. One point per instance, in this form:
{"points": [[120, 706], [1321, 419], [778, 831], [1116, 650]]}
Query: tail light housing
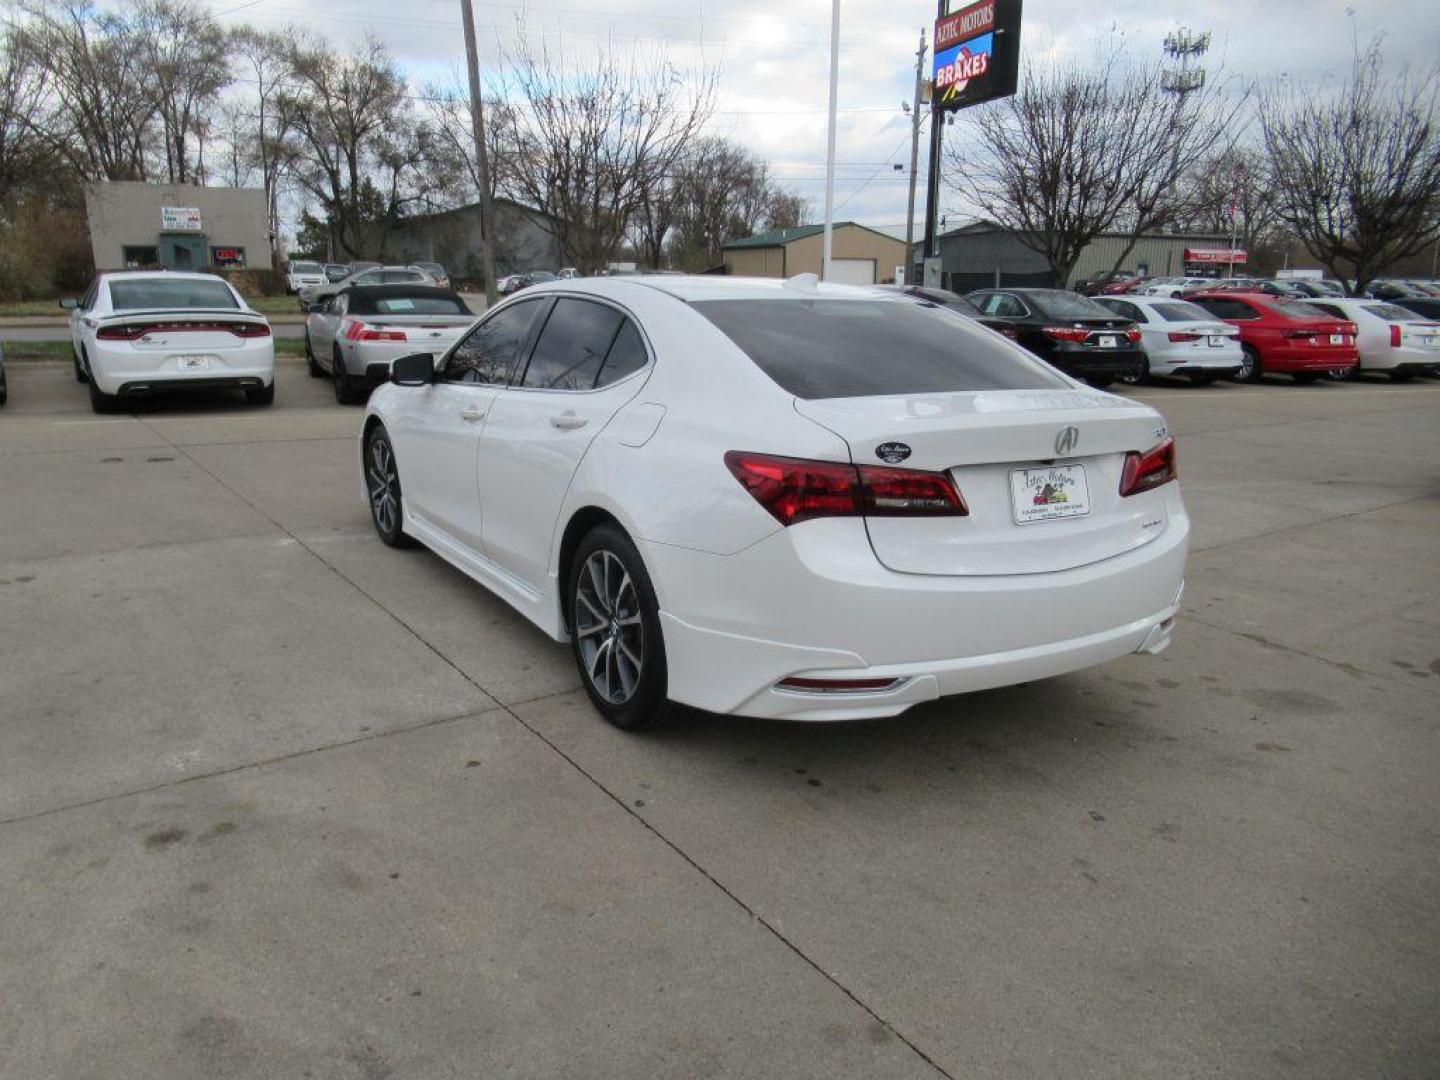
{"points": [[1132, 334], [136, 331], [1184, 335], [1298, 335], [1066, 333], [1147, 471], [1394, 335], [354, 330], [793, 490]]}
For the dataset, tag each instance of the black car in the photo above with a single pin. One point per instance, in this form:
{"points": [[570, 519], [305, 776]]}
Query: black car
{"points": [[955, 302], [1073, 333]]}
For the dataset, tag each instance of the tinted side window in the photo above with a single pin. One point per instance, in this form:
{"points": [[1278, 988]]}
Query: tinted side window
{"points": [[1124, 310], [626, 355], [861, 348], [488, 354], [573, 345], [1007, 306]]}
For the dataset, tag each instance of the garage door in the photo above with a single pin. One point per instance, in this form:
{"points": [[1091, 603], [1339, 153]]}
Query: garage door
{"points": [[852, 271]]}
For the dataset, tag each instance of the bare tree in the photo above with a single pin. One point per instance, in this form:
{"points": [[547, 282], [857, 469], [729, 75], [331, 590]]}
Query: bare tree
{"points": [[448, 113], [1356, 170], [99, 105], [22, 89], [1082, 150], [186, 63], [787, 209], [263, 59], [590, 147]]}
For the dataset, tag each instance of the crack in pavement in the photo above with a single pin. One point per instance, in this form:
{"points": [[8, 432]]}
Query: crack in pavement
{"points": [[665, 840]]}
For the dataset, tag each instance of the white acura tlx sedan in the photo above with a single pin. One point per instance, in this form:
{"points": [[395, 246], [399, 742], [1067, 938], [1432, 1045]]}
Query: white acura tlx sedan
{"points": [[781, 499]]}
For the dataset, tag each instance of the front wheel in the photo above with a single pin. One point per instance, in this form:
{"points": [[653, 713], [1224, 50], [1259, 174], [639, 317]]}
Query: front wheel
{"points": [[312, 366], [614, 623], [345, 393], [382, 485]]}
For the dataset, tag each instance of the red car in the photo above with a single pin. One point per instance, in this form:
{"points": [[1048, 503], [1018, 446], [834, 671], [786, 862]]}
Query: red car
{"points": [[1284, 336], [1120, 286]]}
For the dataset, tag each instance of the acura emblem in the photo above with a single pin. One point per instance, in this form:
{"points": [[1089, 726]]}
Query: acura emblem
{"points": [[1067, 440]]}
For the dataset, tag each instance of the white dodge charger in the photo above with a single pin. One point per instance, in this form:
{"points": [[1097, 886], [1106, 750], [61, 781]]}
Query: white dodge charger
{"points": [[139, 332], [781, 499]]}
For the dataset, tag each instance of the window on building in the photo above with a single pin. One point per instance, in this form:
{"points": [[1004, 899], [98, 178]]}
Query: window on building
{"points": [[227, 256], [140, 255]]}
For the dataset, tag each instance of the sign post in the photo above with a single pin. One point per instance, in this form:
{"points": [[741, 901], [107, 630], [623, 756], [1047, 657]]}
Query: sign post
{"points": [[977, 59]]}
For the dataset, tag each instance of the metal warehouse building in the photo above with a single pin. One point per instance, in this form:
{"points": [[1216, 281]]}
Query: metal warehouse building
{"points": [[177, 226], [859, 255], [984, 254]]}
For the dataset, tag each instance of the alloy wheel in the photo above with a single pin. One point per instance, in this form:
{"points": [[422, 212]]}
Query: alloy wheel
{"points": [[608, 627], [384, 486]]}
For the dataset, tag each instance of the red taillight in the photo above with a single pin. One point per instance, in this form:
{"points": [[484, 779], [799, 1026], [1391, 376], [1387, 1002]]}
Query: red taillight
{"points": [[1132, 335], [1149, 470], [1066, 333], [1394, 335], [793, 490], [135, 331], [1184, 335], [358, 331]]}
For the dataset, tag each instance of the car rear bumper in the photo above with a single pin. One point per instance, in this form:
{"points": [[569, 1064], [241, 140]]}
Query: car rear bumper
{"points": [[133, 371], [1181, 361], [812, 601], [1401, 358], [1291, 358]]}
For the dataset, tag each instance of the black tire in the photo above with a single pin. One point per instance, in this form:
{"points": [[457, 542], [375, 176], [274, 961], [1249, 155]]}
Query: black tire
{"points": [[345, 392], [599, 610], [1204, 378], [1252, 369], [1402, 376], [4, 388], [80, 374], [1100, 382], [265, 395], [100, 401], [1305, 378], [382, 472], [1138, 378], [312, 366]]}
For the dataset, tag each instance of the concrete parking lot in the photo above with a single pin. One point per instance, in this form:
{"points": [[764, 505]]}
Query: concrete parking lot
{"points": [[279, 801]]}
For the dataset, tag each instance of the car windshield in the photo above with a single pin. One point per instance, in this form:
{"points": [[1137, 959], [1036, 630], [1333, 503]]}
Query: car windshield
{"points": [[1067, 305], [304, 268], [169, 294], [1181, 311], [868, 348]]}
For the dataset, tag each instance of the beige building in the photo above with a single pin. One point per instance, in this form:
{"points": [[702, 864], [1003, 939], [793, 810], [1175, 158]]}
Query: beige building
{"points": [[177, 226], [859, 255]]}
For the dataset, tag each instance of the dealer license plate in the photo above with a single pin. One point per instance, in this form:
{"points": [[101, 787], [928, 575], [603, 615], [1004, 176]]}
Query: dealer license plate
{"points": [[192, 363], [1109, 341], [1337, 339], [1217, 341], [1059, 491]]}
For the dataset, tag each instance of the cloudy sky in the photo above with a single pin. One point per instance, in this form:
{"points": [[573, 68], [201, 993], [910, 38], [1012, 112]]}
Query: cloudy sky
{"points": [[774, 59]]}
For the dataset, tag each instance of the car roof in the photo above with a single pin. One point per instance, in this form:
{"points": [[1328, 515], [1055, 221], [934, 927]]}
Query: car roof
{"points": [[162, 275], [700, 287]]}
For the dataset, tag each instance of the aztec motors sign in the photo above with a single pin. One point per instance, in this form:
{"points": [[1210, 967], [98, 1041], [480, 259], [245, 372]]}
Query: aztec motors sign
{"points": [[977, 53]]}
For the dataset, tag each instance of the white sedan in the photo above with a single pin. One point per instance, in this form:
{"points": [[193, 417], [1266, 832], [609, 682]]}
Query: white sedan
{"points": [[1390, 338], [1172, 286], [139, 332], [781, 499], [1180, 338]]}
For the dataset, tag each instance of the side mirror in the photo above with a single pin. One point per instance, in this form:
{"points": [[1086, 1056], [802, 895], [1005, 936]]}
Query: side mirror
{"points": [[417, 369], [69, 303]]}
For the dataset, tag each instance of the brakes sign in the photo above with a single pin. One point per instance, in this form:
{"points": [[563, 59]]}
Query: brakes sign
{"points": [[971, 63]]}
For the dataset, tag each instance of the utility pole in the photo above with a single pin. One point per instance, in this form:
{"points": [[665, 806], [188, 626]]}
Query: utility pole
{"points": [[482, 158], [932, 183], [914, 159], [830, 141]]}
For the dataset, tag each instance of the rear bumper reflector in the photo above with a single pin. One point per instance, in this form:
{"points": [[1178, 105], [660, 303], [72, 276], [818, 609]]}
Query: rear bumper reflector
{"points": [[838, 686]]}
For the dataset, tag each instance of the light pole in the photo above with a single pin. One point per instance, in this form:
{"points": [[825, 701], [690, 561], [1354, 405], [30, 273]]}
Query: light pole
{"points": [[914, 157], [482, 158], [830, 140]]}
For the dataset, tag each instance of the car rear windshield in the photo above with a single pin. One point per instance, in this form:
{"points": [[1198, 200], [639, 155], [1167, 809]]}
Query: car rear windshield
{"points": [[1181, 311], [169, 295], [872, 348], [1066, 305], [1298, 309], [304, 268], [1393, 312], [408, 305]]}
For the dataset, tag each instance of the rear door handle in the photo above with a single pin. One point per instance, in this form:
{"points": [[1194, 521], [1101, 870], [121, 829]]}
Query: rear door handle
{"points": [[568, 421], [472, 414]]}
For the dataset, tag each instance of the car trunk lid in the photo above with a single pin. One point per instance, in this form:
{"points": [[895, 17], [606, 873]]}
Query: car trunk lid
{"points": [[188, 330], [1002, 449]]}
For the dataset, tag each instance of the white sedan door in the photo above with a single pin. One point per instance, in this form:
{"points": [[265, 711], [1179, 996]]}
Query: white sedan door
{"points": [[539, 429], [437, 428]]}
